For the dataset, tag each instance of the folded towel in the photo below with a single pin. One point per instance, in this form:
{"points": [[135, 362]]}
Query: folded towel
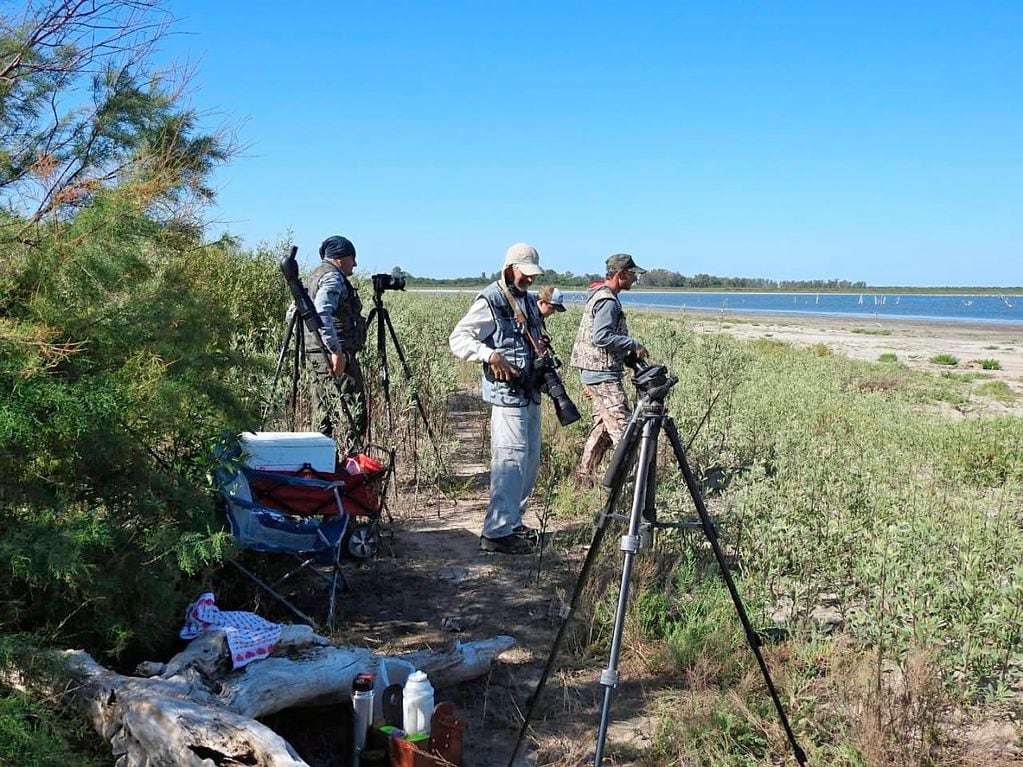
{"points": [[249, 637]]}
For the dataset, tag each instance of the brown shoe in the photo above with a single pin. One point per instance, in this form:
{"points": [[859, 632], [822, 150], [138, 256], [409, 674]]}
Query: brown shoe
{"points": [[508, 544]]}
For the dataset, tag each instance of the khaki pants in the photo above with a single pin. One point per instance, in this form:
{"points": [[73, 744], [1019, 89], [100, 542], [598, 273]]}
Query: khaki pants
{"points": [[611, 414]]}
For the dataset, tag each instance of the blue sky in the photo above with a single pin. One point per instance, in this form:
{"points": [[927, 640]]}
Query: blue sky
{"points": [[790, 140]]}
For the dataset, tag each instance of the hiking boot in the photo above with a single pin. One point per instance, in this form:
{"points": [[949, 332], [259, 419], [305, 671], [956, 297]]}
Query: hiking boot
{"points": [[506, 544], [527, 533]]}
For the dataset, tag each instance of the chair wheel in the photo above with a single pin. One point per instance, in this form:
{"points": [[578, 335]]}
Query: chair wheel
{"points": [[362, 541]]}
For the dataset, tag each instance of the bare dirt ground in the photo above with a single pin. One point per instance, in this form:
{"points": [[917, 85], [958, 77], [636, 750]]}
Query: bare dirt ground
{"points": [[430, 585]]}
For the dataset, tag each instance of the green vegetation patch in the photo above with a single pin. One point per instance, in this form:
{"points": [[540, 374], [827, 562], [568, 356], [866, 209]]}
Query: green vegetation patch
{"points": [[989, 364], [872, 331], [997, 390], [945, 359]]}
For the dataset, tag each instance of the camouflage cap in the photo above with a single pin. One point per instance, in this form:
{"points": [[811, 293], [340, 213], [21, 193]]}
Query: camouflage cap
{"points": [[622, 262]]}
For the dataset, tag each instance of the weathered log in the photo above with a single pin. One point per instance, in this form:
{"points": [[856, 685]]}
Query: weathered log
{"points": [[196, 708]]}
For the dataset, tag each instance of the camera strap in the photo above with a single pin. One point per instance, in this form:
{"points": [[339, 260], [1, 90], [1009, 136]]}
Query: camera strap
{"points": [[520, 317]]}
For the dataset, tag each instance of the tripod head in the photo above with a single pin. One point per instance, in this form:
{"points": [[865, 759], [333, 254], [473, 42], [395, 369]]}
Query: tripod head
{"points": [[652, 381]]}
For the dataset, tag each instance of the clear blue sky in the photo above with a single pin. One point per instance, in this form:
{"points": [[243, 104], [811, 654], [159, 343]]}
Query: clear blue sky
{"points": [[789, 140]]}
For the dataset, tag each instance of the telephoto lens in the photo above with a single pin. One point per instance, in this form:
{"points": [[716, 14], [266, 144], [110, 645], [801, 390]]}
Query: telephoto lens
{"points": [[564, 408]]}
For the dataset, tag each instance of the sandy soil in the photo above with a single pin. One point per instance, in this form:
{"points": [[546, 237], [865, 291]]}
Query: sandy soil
{"points": [[914, 343], [431, 585]]}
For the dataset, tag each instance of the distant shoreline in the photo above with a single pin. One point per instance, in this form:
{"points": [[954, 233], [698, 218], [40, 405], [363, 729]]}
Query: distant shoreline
{"points": [[932, 326], [1016, 292]]}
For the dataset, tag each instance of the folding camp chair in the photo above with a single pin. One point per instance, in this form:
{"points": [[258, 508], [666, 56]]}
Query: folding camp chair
{"points": [[316, 517]]}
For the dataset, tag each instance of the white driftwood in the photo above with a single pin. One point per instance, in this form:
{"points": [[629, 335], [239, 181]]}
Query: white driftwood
{"points": [[195, 710]]}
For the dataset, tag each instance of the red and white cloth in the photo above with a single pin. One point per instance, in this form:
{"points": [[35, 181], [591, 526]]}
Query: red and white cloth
{"points": [[249, 637]]}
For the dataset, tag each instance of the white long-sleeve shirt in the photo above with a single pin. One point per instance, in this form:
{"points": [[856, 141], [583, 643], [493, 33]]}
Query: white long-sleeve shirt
{"points": [[466, 340]]}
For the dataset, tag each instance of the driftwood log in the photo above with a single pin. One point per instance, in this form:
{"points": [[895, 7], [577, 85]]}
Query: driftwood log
{"points": [[195, 711]]}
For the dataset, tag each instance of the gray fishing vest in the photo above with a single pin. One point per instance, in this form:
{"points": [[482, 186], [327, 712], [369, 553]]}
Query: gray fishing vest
{"points": [[348, 319], [510, 341], [585, 355]]}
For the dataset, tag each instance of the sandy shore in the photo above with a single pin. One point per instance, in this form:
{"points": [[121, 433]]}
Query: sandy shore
{"points": [[913, 342]]}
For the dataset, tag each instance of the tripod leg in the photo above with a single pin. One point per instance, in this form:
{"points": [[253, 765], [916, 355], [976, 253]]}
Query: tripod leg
{"points": [[630, 546], [289, 331], [296, 374], [408, 375], [627, 447], [377, 314], [751, 636]]}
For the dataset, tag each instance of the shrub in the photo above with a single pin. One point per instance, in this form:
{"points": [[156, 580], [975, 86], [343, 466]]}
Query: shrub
{"points": [[945, 359], [989, 364], [887, 357], [997, 390]]}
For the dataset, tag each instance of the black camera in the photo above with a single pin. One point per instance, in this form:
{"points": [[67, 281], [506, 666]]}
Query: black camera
{"points": [[545, 369], [382, 282]]}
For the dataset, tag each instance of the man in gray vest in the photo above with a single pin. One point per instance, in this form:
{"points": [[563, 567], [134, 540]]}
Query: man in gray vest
{"points": [[343, 334], [501, 331], [600, 348]]}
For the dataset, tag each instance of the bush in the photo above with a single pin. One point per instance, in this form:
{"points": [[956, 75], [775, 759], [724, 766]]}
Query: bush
{"points": [[945, 359]]}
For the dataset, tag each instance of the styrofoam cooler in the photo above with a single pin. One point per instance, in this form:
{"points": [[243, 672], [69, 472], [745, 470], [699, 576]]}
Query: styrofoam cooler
{"points": [[288, 450]]}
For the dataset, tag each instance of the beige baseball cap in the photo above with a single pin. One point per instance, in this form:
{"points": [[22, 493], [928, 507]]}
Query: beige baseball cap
{"points": [[524, 257]]}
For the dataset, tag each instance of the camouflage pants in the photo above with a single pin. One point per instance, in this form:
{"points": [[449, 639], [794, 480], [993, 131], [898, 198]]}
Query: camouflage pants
{"points": [[329, 399], [611, 414]]}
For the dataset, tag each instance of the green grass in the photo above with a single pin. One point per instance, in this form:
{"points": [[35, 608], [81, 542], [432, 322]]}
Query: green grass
{"points": [[872, 331], [989, 364], [887, 357], [997, 390], [945, 359]]}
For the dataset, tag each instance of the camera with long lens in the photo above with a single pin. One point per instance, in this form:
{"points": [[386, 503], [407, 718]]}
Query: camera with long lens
{"points": [[382, 282], [546, 370], [647, 377]]}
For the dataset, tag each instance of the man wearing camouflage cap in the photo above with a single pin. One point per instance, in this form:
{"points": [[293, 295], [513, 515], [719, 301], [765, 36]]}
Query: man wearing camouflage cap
{"points": [[600, 348]]}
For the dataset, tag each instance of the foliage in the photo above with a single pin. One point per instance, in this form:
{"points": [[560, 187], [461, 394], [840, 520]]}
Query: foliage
{"points": [[84, 111], [126, 345], [989, 364], [945, 359], [997, 390]]}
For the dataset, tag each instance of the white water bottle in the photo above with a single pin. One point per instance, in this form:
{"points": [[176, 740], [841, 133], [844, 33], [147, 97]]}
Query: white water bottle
{"points": [[417, 703]]}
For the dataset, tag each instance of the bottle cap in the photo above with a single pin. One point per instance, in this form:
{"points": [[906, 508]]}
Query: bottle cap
{"points": [[363, 682]]}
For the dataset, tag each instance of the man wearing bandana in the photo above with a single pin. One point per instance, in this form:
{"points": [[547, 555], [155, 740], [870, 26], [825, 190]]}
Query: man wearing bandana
{"points": [[343, 334]]}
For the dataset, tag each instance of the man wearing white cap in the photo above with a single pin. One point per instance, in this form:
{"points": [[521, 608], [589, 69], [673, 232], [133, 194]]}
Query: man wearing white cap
{"points": [[501, 330]]}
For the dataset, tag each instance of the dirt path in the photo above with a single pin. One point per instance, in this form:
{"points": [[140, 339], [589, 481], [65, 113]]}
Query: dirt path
{"points": [[432, 585]]}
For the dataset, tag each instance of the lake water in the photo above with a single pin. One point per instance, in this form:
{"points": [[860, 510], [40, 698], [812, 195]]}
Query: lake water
{"points": [[869, 306]]}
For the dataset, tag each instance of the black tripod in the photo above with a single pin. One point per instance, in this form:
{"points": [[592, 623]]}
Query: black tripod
{"points": [[647, 421], [385, 329], [294, 345]]}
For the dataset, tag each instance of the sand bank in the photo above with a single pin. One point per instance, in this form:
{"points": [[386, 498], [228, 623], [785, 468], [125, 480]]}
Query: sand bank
{"points": [[913, 342]]}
